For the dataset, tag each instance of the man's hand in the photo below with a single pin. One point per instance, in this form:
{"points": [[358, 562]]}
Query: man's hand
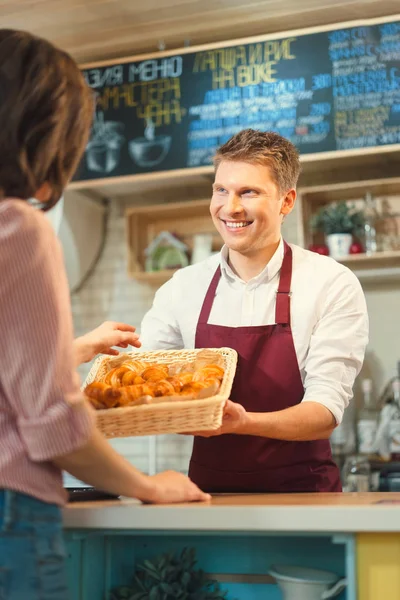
{"points": [[233, 421], [103, 338]]}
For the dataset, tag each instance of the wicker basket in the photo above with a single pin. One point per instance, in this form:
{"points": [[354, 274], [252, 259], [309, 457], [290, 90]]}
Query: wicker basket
{"points": [[176, 416]]}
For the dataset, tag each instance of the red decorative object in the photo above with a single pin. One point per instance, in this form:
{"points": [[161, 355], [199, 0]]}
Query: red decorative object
{"points": [[319, 249], [356, 248]]}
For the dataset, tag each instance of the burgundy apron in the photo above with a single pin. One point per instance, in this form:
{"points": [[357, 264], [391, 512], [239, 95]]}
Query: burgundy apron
{"points": [[267, 379]]}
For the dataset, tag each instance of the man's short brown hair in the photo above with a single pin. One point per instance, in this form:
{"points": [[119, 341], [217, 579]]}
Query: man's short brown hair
{"points": [[264, 148], [46, 111]]}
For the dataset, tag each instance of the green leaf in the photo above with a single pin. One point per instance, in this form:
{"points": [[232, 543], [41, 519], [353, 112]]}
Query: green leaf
{"points": [[338, 217], [154, 595], [170, 577], [185, 579], [167, 588], [151, 571], [139, 583]]}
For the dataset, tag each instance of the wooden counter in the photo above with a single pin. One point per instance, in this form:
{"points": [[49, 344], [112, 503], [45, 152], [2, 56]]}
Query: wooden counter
{"points": [[238, 537], [341, 513]]}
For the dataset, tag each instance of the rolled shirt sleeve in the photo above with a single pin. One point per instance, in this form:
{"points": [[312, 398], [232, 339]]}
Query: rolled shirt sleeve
{"points": [[38, 375], [337, 345]]}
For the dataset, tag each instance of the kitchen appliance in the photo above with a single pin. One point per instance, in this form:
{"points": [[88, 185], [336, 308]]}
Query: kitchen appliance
{"points": [[300, 583]]}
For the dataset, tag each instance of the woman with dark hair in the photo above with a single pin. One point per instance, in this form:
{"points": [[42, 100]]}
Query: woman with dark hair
{"points": [[45, 424]]}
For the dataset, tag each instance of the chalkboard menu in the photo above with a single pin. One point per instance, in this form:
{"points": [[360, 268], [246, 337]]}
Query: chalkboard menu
{"points": [[325, 91]]}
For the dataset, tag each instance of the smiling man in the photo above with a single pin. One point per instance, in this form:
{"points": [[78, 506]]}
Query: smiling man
{"points": [[298, 321]]}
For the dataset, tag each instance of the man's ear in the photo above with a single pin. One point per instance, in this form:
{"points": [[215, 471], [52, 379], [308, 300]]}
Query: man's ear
{"points": [[288, 202]]}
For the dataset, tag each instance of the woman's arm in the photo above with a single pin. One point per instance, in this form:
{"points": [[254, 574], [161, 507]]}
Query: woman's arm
{"points": [[102, 339], [38, 377], [98, 464]]}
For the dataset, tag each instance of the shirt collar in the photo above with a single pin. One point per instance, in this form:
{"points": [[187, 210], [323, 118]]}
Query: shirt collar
{"points": [[267, 274]]}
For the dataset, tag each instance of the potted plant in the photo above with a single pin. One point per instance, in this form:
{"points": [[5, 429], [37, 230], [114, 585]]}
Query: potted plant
{"points": [[170, 577], [339, 222]]}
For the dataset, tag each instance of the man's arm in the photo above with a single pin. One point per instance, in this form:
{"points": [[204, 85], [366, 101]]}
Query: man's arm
{"points": [[300, 423]]}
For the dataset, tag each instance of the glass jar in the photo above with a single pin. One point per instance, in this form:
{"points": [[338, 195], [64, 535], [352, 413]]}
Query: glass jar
{"points": [[356, 474]]}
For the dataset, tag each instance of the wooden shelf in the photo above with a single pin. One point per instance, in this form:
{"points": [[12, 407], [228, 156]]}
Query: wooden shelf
{"points": [[373, 261], [323, 169], [144, 223], [156, 278], [311, 199]]}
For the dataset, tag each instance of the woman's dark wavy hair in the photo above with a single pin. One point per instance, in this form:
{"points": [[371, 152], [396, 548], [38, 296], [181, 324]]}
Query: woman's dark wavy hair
{"points": [[46, 111]]}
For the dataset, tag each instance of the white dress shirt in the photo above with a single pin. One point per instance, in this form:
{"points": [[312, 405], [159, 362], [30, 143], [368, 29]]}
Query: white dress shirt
{"points": [[328, 316]]}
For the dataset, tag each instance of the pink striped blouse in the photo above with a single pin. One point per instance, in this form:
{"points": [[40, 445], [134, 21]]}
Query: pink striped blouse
{"points": [[42, 413]]}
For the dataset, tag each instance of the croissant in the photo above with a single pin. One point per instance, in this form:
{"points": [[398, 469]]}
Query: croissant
{"points": [[135, 365], [185, 377], [211, 388], [176, 383], [101, 395], [155, 373], [212, 382], [131, 378], [163, 388], [193, 388], [208, 372], [131, 393], [114, 377], [96, 404]]}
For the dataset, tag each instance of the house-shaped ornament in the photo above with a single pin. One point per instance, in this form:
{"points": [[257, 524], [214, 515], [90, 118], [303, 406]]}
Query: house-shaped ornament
{"points": [[166, 252]]}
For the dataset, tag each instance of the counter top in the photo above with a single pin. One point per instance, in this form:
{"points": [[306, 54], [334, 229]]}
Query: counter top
{"points": [[341, 513]]}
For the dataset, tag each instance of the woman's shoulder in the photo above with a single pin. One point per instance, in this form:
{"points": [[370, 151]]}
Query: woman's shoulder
{"points": [[19, 220]]}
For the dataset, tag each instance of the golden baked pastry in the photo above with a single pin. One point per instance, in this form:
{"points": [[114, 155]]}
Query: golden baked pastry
{"points": [[114, 377], [208, 372], [135, 365], [176, 383], [193, 387], [132, 393], [185, 377], [132, 382], [163, 388], [155, 373], [131, 378], [101, 395]]}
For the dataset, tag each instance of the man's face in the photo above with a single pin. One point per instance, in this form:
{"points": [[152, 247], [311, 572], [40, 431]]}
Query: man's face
{"points": [[247, 207]]}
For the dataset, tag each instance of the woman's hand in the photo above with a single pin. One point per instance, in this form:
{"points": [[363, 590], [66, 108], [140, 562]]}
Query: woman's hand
{"points": [[102, 339], [169, 487]]}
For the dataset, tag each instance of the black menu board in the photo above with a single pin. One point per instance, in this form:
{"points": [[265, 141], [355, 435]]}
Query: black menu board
{"points": [[325, 91]]}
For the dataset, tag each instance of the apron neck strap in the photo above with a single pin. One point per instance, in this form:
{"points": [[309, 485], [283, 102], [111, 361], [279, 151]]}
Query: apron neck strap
{"points": [[282, 307], [209, 299]]}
